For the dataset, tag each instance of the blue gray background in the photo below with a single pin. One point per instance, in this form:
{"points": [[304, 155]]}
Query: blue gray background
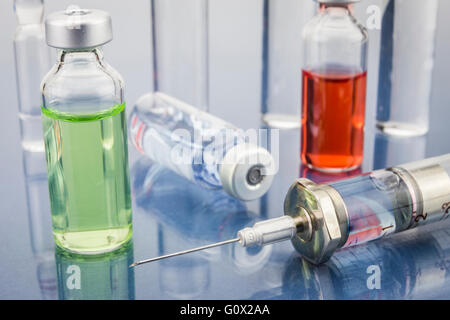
{"points": [[235, 74]]}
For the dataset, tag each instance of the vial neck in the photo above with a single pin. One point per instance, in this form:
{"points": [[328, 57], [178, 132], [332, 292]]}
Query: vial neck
{"points": [[93, 55]]}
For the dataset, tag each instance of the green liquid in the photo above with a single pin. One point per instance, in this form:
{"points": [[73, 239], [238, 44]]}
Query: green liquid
{"points": [[88, 178], [96, 277]]}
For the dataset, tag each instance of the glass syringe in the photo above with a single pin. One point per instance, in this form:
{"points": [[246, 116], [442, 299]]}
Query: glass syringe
{"points": [[321, 218]]}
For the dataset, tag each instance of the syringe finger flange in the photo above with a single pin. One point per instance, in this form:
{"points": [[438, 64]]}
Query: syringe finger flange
{"points": [[329, 228]]}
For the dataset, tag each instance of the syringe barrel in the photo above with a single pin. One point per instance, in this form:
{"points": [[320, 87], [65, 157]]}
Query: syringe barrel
{"points": [[370, 206], [432, 179]]}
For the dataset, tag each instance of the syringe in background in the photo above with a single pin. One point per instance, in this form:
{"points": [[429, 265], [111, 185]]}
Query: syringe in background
{"points": [[32, 58], [319, 219], [180, 50], [200, 147]]}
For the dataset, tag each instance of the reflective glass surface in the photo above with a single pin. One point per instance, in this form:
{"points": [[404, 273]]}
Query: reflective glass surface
{"points": [[172, 214]]}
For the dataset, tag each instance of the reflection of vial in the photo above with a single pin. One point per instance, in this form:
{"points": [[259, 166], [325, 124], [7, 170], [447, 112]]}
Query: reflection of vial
{"points": [[47, 276], [199, 214], [200, 147], [97, 277], [32, 62], [180, 50], [406, 66], [173, 281], [334, 88], [85, 136]]}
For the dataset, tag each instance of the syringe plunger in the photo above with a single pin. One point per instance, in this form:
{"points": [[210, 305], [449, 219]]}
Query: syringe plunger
{"points": [[370, 206]]}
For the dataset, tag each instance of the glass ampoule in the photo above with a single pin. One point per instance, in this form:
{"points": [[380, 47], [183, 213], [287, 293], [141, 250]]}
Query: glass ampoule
{"points": [[180, 45], [282, 54], [85, 136], [32, 60], [405, 79], [334, 89]]}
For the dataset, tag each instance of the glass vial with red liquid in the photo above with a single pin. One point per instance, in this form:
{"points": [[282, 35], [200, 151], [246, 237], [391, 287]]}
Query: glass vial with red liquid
{"points": [[334, 88]]}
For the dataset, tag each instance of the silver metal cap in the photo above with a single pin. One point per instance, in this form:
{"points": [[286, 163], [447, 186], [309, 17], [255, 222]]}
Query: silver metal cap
{"points": [[77, 28], [247, 171]]}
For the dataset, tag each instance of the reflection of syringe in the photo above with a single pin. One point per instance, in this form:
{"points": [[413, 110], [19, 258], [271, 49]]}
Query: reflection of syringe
{"points": [[319, 219]]}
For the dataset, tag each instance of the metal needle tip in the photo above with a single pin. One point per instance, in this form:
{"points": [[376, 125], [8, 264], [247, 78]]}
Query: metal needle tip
{"points": [[184, 252]]}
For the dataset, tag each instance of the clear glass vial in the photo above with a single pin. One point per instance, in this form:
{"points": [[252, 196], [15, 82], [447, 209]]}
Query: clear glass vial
{"points": [[104, 277], [334, 88], [85, 136]]}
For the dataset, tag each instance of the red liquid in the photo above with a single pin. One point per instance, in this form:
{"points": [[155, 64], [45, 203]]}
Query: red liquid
{"points": [[333, 110]]}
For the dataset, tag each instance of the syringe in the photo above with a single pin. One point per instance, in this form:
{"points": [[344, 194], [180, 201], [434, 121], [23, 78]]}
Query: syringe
{"points": [[321, 218]]}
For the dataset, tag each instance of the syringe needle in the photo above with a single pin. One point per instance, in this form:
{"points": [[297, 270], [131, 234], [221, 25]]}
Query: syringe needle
{"points": [[262, 233], [185, 251]]}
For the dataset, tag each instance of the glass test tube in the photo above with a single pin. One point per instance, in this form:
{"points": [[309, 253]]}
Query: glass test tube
{"points": [[39, 221], [180, 50], [406, 66], [334, 88], [32, 60], [200, 147], [282, 58]]}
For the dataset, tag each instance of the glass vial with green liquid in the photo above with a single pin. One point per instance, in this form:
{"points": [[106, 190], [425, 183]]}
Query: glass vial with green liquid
{"points": [[85, 138]]}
